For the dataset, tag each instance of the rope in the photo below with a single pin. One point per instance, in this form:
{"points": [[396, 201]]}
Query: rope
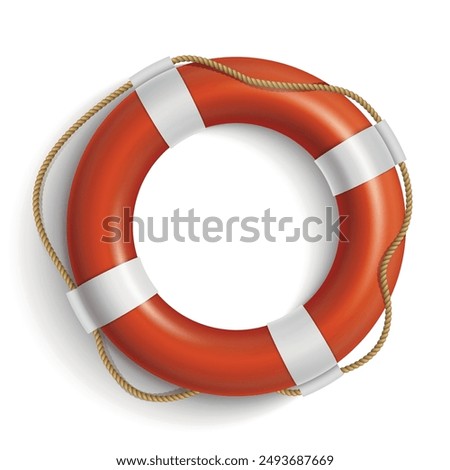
{"points": [[275, 85], [254, 82], [37, 213]]}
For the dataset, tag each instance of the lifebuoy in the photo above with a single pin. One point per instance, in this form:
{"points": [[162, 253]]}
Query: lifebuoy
{"points": [[170, 103]]}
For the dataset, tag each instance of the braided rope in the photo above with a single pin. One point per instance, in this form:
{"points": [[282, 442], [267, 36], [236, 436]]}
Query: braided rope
{"points": [[255, 82], [276, 85], [43, 170], [37, 213]]}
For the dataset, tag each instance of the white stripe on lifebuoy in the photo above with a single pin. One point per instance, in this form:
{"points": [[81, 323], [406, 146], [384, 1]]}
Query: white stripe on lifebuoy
{"points": [[151, 71], [304, 351], [360, 158], [169, 104], [110, 295], [391, 141], [321, 381]]}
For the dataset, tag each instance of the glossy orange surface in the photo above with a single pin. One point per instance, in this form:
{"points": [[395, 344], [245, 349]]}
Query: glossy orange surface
{"points": [[162, 340]]}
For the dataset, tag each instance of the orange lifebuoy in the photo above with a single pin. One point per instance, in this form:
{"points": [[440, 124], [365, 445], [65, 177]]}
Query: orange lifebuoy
{"points": [[163, 341]]}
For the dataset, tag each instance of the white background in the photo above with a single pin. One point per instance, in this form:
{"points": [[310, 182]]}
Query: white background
{"points": [[60, 409]]}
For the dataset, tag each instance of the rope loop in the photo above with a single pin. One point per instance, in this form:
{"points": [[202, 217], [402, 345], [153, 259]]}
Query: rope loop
{"points": [[254, 82]]}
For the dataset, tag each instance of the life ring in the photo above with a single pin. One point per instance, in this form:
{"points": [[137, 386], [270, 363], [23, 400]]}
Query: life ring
{"points": [[301, 349]]}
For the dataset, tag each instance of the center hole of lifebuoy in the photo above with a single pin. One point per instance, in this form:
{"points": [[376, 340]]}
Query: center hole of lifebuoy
{"points": [[232, 226]]}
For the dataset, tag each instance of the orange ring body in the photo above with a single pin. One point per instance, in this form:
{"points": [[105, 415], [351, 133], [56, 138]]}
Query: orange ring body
{"points": [[163, 341]]}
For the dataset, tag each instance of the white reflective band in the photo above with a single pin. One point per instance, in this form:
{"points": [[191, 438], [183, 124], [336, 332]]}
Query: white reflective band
{"points": [[168, 102], [111, 295], [304, 351], [151, 71], [391, 142], [360, 158], [321, 381]]}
